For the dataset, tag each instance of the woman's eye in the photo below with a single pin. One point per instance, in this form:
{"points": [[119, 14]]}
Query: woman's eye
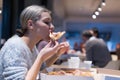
{"points": [[48, 23]]}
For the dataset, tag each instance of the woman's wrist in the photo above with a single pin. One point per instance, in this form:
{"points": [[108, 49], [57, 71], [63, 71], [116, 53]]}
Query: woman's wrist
{"points": [[41, 58]]}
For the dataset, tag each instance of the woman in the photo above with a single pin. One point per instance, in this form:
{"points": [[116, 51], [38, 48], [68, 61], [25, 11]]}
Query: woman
{"points": [[19, 58]]}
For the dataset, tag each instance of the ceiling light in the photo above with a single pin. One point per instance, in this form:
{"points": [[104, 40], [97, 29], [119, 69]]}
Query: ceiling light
{"points": [[103, 2], [99, 9], [96, 12], [94, 16]]}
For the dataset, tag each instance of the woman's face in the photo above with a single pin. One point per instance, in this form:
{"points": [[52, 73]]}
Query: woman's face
{"points": [[44, 26]]}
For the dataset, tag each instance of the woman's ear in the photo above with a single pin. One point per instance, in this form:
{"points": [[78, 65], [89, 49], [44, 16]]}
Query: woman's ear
{"points": [[30, 24]]}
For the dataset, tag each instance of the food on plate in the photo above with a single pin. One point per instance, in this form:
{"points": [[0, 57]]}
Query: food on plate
{"points": [[56, 35], [61, 72], [74, 73], [82, 73]]}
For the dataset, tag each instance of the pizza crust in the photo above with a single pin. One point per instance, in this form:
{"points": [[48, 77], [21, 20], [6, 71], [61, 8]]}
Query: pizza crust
{"points": [[56, 35]]}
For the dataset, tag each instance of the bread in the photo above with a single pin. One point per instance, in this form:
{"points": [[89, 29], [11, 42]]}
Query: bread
{"points": [[74, 73], [56, 35], [61, 72]]}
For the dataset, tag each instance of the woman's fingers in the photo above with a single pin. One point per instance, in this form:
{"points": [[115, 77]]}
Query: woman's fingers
{"points": [[49, 44], [65, 44], [56, 44], [64, 47]]}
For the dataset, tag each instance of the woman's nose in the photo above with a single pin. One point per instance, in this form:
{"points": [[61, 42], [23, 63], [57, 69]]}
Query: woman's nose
{"points": [[52, 27]]}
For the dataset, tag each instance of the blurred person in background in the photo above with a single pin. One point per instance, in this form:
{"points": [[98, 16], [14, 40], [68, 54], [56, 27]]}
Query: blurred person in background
{"points": [[82, 48], [19, 57], [96, 50], [95, 32], [76, 46], [118, 50]]}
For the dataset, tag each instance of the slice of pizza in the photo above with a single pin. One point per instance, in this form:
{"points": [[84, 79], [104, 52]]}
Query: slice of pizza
{"points": [[56, 35]]}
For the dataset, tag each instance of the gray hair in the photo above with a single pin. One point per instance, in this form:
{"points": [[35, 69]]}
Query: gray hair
{"points": [[31, 13]]}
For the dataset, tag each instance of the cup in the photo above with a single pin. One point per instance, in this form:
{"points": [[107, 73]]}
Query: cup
{"points": [[88, 64], [73, 62]]}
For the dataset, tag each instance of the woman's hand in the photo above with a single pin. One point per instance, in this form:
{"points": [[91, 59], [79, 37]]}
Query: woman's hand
{"points": [[64, 48], [49, 50]]}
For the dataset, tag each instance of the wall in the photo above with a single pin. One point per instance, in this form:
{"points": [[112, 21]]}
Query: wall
{"points": [[103, 27]]}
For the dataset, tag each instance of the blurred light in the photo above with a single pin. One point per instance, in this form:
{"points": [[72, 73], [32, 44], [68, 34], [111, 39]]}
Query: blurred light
{"points": [[96, 12], [0, 11], [99, 9], [94, 16], [103, 3]]}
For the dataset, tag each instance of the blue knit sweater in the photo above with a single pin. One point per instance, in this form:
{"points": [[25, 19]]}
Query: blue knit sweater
{"points": [[16, 59]]}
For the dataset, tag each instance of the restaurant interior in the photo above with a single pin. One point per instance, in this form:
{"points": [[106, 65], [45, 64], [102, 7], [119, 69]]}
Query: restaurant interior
{"points": [[73, 17]]}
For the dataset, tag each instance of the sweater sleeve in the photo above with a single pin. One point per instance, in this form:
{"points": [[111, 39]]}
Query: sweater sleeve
{"points": [[15, 64]]}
